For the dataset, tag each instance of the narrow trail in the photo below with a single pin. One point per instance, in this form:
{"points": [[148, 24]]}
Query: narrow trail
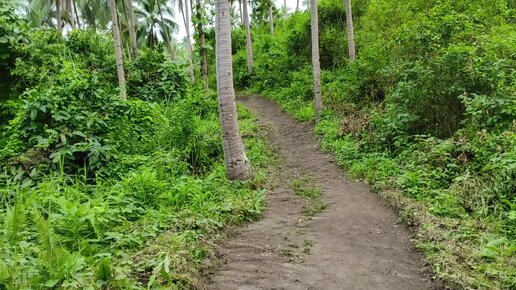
{"points": [[354, 244]]}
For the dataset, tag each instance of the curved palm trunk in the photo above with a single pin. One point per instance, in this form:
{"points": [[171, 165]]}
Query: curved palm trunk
{"points": [[202, 45], [349, 26], [248, 41], [118, 49], [132, 29], [314, 24], [186, 20], [237, 164], [271, 18], [58, 17]]}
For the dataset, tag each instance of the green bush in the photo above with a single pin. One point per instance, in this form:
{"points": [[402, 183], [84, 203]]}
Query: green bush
{"points": [[152, 78], [425, 112]]}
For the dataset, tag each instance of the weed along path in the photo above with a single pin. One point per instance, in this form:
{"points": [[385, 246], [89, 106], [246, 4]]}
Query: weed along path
{"points": [[320, 230]]}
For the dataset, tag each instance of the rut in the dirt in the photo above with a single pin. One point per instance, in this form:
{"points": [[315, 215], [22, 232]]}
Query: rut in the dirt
{"points": [[354, 244]]}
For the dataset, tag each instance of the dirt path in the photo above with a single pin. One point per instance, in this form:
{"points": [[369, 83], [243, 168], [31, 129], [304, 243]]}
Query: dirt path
{"points": [[354, 244]]}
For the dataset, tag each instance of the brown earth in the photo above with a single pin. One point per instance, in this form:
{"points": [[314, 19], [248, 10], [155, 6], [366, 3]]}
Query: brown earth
{"points": [[356, 243]]}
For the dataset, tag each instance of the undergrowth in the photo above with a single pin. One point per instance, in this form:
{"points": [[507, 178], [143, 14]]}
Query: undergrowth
{"points": [[425, 114], [102, 193]]}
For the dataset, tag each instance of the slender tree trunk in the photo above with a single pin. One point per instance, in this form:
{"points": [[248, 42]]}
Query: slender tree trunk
{"points": [[285, 6], [76, 14], [202, 45], [248, 41], [58, 17], [315, 59], [132, 28], [349, 26], [71, 13], [186, 20], [241, 15], [271, 18], [166, 36], [118, 49], [297, 5], [192, 12], [237, 164]]}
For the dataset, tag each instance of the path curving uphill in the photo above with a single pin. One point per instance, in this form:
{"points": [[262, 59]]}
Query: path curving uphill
{"points": [[355, 243]]}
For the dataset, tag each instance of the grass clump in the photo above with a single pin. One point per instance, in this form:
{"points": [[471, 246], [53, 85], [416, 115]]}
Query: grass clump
{"points": [[312, 195]]}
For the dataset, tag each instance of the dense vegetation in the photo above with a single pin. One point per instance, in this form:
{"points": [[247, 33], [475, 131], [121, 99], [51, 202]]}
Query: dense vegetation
{"points": [[102, 192], [97, 192], [425, 113]]}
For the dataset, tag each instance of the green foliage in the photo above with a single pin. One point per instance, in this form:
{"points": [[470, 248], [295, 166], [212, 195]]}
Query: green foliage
{"points": [[74, 126], [152, 78], [97, 192], [425, 114], [13, 32]]}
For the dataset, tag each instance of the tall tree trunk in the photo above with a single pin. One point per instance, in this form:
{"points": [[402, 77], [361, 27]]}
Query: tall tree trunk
{"points": [[166, 32], [76, 14], [71, 14], [58, 17], [118, 49], [132, 28], [314, 24], [285, 6], [271, 18], [202, 45], [241, 14], [248, 41], [237, 164], [349, 26], [297, 5], [186, 20]]}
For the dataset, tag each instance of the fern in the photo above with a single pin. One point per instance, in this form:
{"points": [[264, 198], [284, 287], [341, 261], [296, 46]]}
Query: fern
{"points": [[46, 238], [15, 222], [104, 271]]}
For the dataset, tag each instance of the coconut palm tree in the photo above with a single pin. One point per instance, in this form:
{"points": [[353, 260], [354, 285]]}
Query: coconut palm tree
{"points": [[315, 59], [59, 17], [132, 28], [183, 7], [237, 164], [248, 41], [349, 26], [155, 18], [95, 13], [203, 51], [118, 49]]}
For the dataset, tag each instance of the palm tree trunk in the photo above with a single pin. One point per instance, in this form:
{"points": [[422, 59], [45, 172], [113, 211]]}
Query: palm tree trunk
{"points": [[58, 17], [118, 49], [202, 45], [132, 29], [314, 24], [248, 41], [285, 6], [271, 18], [241, 15], [349, 26], [297, 5], [76, 14], [237, 164], [71, 13], [186, 20]]}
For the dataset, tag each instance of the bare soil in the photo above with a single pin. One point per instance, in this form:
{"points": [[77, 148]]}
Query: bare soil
{"points": [[356, 243]]}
